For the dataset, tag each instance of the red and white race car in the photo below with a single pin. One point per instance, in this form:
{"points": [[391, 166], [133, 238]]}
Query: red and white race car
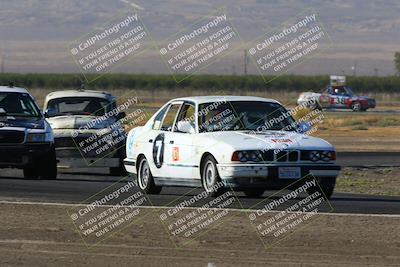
{"points": [[336, 95]]}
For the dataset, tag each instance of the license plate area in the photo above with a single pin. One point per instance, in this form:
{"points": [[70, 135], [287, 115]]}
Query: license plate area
{"points": [[289, 172]]}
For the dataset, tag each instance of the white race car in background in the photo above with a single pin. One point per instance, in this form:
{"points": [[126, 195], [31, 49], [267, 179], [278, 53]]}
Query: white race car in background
{"points": [[70, 110], [209, 140]]}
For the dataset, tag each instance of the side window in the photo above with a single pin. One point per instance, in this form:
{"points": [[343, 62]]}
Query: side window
{"points": [[170, 117], [188, 114], [158, 119]]}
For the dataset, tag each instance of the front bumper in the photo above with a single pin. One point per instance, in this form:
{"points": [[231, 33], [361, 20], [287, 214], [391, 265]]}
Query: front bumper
{"points": [[22, 155], [67, 163], [71, 157], [267, 175]]}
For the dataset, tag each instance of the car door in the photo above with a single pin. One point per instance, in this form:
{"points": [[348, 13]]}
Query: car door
{"points": [[179, 147], [160, 137], [339, 97]]}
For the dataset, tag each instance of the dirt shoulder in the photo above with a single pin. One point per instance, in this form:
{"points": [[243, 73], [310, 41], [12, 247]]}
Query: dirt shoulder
{"points": [[372, 181], [41, 235]]}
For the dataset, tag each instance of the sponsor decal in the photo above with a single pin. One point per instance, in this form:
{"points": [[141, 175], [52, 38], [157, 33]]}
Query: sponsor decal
{"points": [[281, 140], [175, 154]]}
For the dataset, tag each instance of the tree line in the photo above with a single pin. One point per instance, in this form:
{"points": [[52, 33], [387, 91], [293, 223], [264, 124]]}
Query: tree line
{"points": [[297, 83]]}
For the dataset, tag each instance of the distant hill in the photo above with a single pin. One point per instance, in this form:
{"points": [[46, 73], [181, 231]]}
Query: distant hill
{"points": [[34, 33]]}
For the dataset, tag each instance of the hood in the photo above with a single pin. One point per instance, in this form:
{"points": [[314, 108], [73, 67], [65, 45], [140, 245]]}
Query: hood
{"points": [[78, 121], [244, 140], [29, 123]]}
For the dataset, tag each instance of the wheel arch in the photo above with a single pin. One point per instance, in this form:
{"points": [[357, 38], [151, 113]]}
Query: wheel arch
{"points": [[202, 160], [138, 159]]}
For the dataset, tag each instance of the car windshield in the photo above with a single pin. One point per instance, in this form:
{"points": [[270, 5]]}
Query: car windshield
{"points": [[18, 105], [342, 90], [349, 91], [78, 106], [244, 115]]}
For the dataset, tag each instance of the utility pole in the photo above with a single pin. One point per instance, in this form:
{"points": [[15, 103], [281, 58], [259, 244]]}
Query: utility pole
{"points": [[376, 70], [354, 68], [245, 62], [2, 63]]}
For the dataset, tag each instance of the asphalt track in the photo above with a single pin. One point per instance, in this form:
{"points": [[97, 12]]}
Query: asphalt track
{"points": [[374, 111], [368, 159], [77, 187]]}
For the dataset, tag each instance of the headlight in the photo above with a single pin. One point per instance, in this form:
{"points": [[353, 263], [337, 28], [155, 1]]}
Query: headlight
{"points": [[322, 155], [247, 155], [39, 137]]}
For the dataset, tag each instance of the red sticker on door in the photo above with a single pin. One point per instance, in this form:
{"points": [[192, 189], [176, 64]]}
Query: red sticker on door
{"points": [[175, 153]]}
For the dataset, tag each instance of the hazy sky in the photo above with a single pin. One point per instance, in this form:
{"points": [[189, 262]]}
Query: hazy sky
{"points": [[35, 34]]}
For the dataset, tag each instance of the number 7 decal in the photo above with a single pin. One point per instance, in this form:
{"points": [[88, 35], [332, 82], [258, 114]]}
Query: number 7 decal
{"points": [[158, 150]]}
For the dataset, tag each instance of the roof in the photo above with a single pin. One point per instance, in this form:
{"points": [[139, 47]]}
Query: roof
{"points": [[13, 89], [216, 98], [79, 93]]}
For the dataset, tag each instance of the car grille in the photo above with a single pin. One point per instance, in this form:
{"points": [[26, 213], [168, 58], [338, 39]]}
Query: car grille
{"points": [[11, 137], [281, 156]]}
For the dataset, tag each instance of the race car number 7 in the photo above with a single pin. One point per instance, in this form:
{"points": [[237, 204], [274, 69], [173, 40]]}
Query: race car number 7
{"points": [[158, 150]]}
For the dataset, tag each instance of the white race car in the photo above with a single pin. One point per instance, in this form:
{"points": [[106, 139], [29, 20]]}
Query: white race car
{"points": [[244, 143]]}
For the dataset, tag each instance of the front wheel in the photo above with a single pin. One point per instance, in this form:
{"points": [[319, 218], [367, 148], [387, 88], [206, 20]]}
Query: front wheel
{"points": [[210, 178], [327, 186], [43, 168], [145, 178], [48, 165], [31, 173]]}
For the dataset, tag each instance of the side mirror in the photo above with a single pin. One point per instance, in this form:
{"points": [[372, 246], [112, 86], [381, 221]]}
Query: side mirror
{"points": [[120, 116], [304, 127], [48, 113], [185, 127]]}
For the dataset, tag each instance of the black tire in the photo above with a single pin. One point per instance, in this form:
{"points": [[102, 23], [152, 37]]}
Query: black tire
{"points": [[356, 106], [210, 179], [120, 170], [316, 106], [145, 179], [48, 166], [43, 168], [254, 193], [31, 173], [327, 186]]}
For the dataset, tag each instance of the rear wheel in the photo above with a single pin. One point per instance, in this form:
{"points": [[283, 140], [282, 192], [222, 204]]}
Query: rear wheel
{"points": [[120, 170], [31, 172], [253, 192], [210, 178], [356, 106], [145, 178]]}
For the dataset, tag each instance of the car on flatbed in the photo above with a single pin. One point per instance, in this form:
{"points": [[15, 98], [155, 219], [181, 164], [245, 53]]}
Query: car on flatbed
{"points": [[336, 96], [230, 140], [86, 129], [26, 138]]}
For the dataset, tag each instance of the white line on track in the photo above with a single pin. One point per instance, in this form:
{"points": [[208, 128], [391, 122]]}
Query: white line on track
{"points": [[189, 208]]}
